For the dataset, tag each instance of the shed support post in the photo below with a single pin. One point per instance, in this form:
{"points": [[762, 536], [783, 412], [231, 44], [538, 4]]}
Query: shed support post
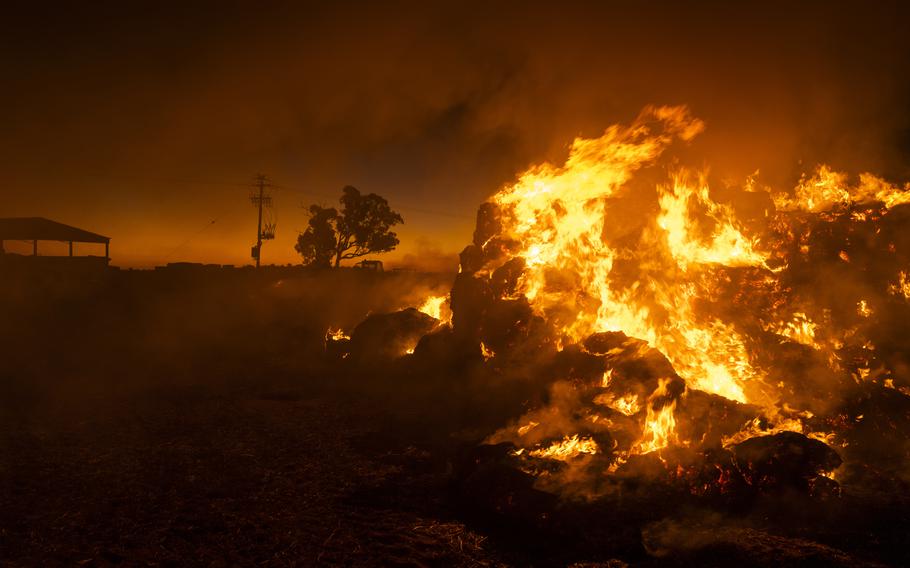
{"points": [[35, 247], [107, 250], [71, 248]]}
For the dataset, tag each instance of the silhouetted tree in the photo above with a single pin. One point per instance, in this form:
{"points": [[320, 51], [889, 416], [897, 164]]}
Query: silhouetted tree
{"points": [[317, 244], [361, 227]]}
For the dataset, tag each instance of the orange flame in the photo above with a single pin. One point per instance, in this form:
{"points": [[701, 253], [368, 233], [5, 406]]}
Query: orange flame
{"points": [[559, 216], [660, 424], [607, 248], [567, 448], [437, 307]]}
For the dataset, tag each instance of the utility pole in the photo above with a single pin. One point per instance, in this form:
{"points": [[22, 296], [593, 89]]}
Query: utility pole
{"points": [[260, 199]]}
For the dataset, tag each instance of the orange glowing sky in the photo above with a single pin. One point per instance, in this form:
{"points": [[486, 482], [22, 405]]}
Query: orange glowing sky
{"points": [[145, 122]]}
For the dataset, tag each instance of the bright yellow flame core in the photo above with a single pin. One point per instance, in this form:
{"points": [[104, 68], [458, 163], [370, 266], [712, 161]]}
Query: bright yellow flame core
{"points": [[727, 245], [660, 424], [562, 219], [660, 430], [434, 306]]}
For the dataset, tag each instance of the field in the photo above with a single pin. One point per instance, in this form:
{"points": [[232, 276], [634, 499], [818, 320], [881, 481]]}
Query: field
{"points": [[194, 417], [166, 419]]}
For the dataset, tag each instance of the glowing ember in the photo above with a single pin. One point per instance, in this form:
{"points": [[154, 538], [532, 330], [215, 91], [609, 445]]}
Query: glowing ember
{"points": [[902, 287], [486, 352], [336, 334]]}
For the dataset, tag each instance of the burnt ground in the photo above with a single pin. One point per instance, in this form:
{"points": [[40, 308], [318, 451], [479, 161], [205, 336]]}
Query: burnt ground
{"points": [[157, 422]]}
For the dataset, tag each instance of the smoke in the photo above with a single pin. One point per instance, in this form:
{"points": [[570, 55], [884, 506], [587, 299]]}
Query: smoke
{"points": [[321, 98], [71, 342], [430, 257]]}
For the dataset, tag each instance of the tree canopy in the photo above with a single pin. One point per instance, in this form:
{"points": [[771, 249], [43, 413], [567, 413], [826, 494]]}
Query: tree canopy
{"points": [[362, 226]]}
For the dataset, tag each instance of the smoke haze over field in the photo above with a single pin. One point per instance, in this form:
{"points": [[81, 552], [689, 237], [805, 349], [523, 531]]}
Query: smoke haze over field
{"points": [[144, 122]]}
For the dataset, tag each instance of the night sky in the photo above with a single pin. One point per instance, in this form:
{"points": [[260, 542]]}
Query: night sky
{"points": [[147, 121]]}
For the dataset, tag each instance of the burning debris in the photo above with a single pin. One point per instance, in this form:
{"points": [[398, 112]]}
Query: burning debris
{"points": [[384, 337], [388, 336], [337, 343], [437, 308], [720, 349]]}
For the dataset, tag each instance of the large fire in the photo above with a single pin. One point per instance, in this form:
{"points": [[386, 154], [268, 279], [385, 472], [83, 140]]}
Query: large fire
{"points": [[622, 238], [562, 219], [623, 314]]}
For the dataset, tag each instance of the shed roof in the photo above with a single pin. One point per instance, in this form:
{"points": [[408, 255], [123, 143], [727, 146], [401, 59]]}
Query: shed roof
{"points": [[39, 228]]}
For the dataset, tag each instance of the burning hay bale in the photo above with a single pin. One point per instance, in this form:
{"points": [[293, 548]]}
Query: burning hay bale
{"points": [[511, 327], [442, 353], [670, 346], [786, 460], [470, 297], [681, 371], [712, 419], [384, 337]]}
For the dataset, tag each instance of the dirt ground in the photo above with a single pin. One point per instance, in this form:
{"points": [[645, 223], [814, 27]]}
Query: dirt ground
{"points": [[194, 419], [196, 476], [170, 423]]}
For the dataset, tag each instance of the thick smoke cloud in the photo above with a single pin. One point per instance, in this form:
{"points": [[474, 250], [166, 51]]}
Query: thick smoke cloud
{"points": [[110, 109]]}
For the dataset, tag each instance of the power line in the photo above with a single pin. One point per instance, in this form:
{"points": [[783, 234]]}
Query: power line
{"points": [[297, 190], [403, 208], [223, 183], [134, 179], [191, 237]]}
